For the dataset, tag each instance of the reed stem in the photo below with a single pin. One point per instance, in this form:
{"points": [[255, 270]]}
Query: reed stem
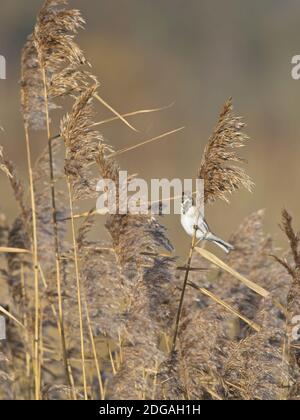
{"points": [[79, 294], [185, 282], [56, 237], [36, 269]]}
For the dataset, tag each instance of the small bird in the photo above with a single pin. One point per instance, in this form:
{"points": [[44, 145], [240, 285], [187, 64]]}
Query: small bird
{"points": [[192, 219]]}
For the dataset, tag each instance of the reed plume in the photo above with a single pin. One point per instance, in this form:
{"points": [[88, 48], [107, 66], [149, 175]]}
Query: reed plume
{"points": [[220, 176], [82, 144]]}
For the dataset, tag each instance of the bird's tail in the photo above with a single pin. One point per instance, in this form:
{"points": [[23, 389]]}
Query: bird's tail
{"points": [[222, 244]]}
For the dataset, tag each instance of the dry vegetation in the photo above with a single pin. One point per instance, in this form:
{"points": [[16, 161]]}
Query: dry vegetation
{"points": [[95, 319]]}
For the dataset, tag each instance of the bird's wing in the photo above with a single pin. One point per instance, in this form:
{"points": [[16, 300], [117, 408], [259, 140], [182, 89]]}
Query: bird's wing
{"points": [[203, 226]]}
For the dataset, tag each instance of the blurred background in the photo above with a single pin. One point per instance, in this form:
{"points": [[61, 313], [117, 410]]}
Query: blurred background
{"points": [[195, 53]]}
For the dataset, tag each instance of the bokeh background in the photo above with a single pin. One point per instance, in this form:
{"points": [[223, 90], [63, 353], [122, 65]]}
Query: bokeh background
{"points": [[196, 53]]}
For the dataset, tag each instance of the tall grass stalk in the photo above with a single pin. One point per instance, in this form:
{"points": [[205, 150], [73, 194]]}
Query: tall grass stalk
{"points": [[79, 292], [95, 353], [56, 237], [184, 285], [35, 269]]}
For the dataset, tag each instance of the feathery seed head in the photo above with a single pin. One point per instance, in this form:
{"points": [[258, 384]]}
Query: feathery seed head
{"points": [[220, 177]]}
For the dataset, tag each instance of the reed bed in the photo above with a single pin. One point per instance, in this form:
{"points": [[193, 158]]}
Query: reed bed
{"points": [[118, 319]]}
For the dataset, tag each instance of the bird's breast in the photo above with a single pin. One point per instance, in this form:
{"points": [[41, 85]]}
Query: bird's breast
{"points": [[187, 224]]}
